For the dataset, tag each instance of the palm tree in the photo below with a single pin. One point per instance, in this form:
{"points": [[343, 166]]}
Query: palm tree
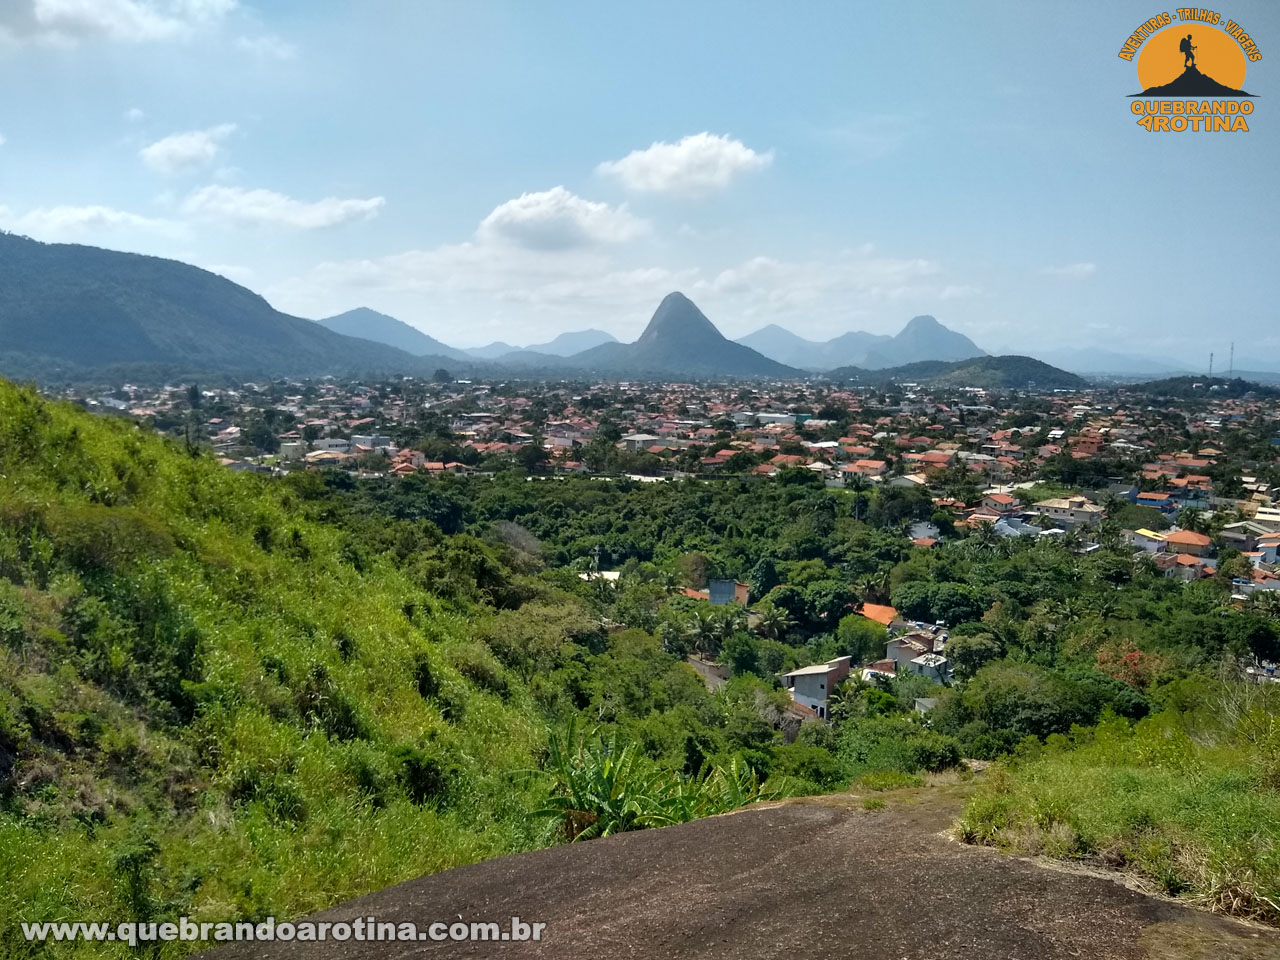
{"points": [[1189, 518], [985, 534], [773, 623], [1105, 606], [1113, 503], [703, 632], [874, 587], [858, 483]]}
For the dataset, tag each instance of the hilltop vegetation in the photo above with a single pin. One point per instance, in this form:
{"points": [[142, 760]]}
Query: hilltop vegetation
{"points": [[991, 373], [1202, 388], [230, 696], [66, 310], [223, 696]]}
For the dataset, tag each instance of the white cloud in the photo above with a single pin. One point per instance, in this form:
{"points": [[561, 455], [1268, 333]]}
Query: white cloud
{"points": [[66, 222], [503, 291], [243, 207], [780, 284], [1075, 271], [959, 291], [134, 114], [181, 152], [267, 47], [556, 219], [130, 21], [697, 164]]}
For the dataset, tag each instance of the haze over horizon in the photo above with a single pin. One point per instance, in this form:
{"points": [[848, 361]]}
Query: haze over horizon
{"points": [[496, 172]]}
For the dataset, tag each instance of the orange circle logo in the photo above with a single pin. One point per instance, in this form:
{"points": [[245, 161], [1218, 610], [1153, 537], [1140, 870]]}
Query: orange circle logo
{"points": [[1191, 61]]}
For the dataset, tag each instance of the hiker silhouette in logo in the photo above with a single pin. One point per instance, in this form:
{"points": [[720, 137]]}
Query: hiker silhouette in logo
{"points": [[1188, 51]]}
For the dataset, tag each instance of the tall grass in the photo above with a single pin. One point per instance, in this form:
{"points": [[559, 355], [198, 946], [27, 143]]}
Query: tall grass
{"points": [[1194, 813]]}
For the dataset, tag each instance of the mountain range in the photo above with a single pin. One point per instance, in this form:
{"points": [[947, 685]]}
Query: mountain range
{"points": [[66, 309], [565, 345], [923, 338]]}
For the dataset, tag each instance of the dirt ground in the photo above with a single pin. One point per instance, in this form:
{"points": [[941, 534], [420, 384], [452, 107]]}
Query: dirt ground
{"points": [[817, 878]]}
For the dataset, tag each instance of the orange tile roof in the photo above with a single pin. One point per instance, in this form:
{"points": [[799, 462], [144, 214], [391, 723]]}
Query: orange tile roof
{"points": [[880, 613]]}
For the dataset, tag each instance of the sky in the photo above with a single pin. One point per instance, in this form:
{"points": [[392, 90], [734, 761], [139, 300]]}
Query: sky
{"points": [[514, 170]]}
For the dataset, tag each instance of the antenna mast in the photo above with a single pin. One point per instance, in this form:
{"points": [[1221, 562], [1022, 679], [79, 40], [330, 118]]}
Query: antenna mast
{"points": [[1210, 364], [1231, 366]]}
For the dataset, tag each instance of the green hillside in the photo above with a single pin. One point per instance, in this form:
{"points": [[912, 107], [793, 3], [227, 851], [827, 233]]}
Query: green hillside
{"points": [[228, 697], [1203, 388], [67, 310], [991, 373], [210, 704]]}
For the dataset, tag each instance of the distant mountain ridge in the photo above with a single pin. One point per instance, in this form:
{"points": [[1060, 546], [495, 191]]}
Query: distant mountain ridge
{"points": [[923, 338], [372, 325], [575, 341], [490, 351], [75, 308]]}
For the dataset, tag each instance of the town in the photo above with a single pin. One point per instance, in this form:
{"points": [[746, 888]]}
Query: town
{"points": [[1187, 481]]}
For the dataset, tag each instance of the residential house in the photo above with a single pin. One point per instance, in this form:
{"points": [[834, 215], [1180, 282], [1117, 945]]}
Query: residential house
{"points": [[1002, 503], [1070, 512], [1188, 542], [811, 686]]}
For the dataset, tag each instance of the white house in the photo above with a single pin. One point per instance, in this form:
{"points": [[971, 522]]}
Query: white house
{"points": [[1070, 511], [332, 445], [811, 686], [931, 665]]}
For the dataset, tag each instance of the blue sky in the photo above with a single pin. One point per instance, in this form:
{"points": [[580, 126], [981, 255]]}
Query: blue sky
{"points": [[513, 170]]}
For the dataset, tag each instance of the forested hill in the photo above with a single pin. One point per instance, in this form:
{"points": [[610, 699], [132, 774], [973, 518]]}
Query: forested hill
{"points": [[1188, 388], [228, 697], [71, 308], [992, 373], [253, 711]]}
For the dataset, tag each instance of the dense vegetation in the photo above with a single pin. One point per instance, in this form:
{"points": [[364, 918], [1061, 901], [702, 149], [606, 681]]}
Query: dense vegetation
{"points": [[228, 696], [991, 373], [1198, 388], [1186, 798], [67, 309]]}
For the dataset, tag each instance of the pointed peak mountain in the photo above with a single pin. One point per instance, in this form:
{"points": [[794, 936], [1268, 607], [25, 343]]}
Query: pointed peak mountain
{"points": [[681, 341], [678, 317], [922, 323]]}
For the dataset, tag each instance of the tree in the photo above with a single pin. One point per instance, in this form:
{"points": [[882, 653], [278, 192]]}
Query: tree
{"points": [[827, 600], [442, 376], [970, 653], [763, 577], [694, 570], [861, 638], [773, 622], [1190, 518]]}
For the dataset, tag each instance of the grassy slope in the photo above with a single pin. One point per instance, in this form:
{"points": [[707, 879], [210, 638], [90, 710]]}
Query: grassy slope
{"points": [[204, 709], [1195, 815]]}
